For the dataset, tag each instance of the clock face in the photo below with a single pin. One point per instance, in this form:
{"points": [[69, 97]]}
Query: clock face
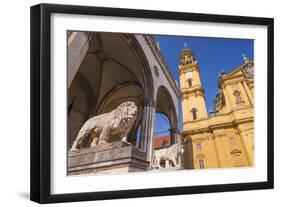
{"points": [[188, 75]]}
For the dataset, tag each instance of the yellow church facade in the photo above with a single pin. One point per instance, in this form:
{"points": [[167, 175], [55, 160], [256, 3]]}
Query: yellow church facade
{"points": [[224, 137]]}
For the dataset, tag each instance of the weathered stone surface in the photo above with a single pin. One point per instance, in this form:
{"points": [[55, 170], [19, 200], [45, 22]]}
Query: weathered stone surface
{"points": [[116, 157], [171, 155], [111, 126]]}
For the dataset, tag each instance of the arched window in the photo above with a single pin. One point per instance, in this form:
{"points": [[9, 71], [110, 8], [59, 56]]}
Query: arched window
{"points": [[201, 160], [237, 159], [237, 96], [201, 163], [194, 113], [189, 82]]}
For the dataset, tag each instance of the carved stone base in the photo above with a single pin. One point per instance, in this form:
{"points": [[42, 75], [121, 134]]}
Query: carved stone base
{"points": [[111, 158]]}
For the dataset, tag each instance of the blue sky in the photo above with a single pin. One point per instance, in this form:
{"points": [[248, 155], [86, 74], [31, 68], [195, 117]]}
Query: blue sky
{"points": [[213, 56]]}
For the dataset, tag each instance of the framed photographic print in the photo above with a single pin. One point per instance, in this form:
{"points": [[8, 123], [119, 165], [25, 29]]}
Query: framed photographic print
{"points": [[132, 103]]}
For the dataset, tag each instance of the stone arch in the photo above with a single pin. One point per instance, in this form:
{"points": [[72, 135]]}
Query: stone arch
{"points": [[165, 105], [127, 91], [113, 63], [79, 106]]}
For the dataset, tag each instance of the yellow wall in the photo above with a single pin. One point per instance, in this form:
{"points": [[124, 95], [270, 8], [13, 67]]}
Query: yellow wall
{"points": [[192, 97], [226, 138]]}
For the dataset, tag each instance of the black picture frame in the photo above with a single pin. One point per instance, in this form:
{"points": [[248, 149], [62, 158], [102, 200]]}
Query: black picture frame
{"points": [[41, 96]]}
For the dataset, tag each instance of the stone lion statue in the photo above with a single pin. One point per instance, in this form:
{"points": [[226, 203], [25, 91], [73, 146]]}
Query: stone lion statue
{"points": [[112, 125], [170, 155]]}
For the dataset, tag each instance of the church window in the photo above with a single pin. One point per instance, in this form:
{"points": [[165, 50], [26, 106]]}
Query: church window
{"points": [[194, 113], [199, 146], [237, 97], [189, 82], [201, 164], [237, 160]]}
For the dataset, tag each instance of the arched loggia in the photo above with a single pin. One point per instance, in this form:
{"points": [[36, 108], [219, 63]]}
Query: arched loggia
{"points": [[165, 105], [114, 69]]}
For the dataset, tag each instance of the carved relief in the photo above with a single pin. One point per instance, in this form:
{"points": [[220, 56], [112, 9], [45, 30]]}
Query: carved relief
{"points": [[235, 87], [156, 70], [248, 71], [232, 141], [200, 156]]}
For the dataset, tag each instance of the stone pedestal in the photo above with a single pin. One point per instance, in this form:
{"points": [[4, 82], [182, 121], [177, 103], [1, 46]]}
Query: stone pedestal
{"points": [[111, 158]]}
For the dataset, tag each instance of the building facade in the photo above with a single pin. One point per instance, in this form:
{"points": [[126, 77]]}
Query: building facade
{"points": [[223, 137]]}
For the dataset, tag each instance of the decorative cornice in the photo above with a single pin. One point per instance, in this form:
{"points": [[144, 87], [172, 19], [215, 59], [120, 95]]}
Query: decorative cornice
{"points": [[209, 127], [158, 56], [243, 68], [186, 68], [198, 90]]}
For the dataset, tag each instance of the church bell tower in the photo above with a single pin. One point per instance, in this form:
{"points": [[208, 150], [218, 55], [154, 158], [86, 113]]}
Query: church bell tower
{"points": [[191, 91]]}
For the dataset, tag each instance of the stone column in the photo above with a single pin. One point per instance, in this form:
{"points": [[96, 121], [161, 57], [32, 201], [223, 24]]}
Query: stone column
{"points": [[247, 143], [77, 48], [147, 128], [222, 153], [230, 96], [188, 161], [244, 93], [248, 92], [174, 135]]}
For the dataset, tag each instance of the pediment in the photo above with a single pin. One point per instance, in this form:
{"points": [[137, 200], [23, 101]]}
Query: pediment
{"points": [[234, 74]]}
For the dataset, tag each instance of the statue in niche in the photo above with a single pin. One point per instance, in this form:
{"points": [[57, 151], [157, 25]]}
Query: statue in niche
{"points": [[249, 72], [114, 125], [237, 96]]}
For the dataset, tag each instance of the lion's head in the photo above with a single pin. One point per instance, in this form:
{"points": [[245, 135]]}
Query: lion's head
{"points": [[178, 149], [125, 115]]}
